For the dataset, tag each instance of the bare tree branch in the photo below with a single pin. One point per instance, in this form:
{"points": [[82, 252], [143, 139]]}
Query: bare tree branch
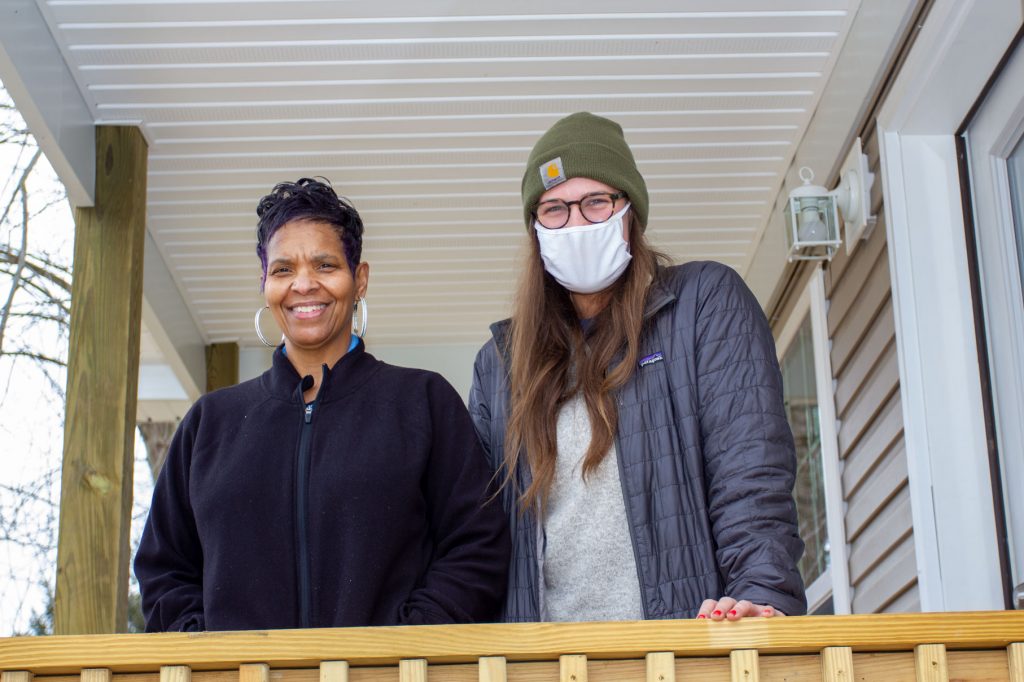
{"points": [[43, 268], [48, 296], [60, 320], [35, 356], [5, 312], [34, 323], [21, 183]]}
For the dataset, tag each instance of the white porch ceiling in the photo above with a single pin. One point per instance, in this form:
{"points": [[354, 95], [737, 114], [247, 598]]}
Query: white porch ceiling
{"points": [[423, 114]]}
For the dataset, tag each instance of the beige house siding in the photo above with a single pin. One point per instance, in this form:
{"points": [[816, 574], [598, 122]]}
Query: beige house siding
{"points": [[883, 569]]}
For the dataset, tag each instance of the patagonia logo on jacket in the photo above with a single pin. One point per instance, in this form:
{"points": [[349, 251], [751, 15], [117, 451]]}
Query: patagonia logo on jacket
{"points": [[651, 359]]}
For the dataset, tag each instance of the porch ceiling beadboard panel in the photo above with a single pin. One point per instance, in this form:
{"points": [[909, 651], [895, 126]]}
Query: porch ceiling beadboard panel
{"points": [[423, 115]]}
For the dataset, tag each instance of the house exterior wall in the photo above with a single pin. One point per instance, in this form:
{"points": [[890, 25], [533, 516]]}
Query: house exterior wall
{"points": [[872, 466], [958, 49], [918, 505], [861, 329]]}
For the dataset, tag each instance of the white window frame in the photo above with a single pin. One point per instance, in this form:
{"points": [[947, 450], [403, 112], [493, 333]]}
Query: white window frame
{"points": [[955, 53], [992, 136], [835, 581]]}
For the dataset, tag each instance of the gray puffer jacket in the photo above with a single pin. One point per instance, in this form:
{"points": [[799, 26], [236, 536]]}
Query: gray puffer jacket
{"points": [[706, 456]]}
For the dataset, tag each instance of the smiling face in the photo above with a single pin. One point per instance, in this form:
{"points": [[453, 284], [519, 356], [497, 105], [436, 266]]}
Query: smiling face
{"points": [[311, 290]]}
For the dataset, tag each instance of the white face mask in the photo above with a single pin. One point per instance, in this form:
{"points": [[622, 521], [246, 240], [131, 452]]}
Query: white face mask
{"points": [[588, 258]]}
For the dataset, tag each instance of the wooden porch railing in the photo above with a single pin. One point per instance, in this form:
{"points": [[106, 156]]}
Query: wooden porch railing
{"points": [[929, 647]]}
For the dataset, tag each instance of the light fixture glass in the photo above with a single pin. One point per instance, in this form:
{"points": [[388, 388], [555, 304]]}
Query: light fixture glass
{"points": [[812, 219]]}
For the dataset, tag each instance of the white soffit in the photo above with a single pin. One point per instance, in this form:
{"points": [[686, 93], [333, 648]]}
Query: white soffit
{"points": [[423, 115]]}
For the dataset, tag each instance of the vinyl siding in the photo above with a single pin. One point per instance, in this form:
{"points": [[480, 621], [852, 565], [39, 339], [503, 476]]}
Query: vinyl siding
{"points": [[883, 568]]}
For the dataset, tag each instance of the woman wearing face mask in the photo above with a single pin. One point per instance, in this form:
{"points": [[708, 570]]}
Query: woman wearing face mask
{"points": [[634, 411]]}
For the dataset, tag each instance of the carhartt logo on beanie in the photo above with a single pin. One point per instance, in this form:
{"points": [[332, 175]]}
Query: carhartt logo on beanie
{"points": [[583, 145], [551, 173]]}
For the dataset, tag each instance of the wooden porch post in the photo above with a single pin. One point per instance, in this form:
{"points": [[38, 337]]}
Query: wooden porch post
{"points": [[103, 369], [221, 365]]}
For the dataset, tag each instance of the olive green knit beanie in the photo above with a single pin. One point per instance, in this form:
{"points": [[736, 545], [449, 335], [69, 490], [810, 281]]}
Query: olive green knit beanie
{"points": [[587, 146]]}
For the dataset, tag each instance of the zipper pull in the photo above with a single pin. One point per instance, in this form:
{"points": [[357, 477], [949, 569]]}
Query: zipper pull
{"points": [[309, 413]]}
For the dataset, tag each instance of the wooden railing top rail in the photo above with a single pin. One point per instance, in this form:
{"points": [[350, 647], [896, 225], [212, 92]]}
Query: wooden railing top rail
{"points": [[516, 642]]}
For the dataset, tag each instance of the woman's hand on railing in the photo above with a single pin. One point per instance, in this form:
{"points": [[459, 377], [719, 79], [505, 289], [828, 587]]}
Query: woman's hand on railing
{"points": [[728, 608]]}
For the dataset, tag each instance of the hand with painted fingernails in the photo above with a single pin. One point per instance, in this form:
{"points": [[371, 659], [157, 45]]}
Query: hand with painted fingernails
{"points": [[728, 608]]}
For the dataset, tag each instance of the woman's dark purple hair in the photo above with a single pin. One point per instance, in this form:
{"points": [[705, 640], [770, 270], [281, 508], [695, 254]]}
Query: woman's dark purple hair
{"points": [[308, 199]]}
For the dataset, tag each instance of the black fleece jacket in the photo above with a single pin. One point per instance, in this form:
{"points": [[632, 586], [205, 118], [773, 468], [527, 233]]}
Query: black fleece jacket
{"points": [[367, 509]]}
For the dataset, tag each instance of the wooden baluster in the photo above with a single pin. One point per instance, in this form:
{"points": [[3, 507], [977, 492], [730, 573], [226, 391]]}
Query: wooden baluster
{"points": [[252, 672], [332, 671], [837, 664], [661, 667], [493, 669], [1015, 654], [930, 663], [96, 675], [16, 676], [744, 665], [572, 668], [412, 670], [175, 673]]}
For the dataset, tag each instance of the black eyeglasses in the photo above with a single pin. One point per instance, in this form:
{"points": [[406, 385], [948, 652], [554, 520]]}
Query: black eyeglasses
{"points": [[595, 207]]}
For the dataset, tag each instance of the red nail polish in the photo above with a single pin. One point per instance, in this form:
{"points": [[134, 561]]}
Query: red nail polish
{"points": [[733, 612], [766, 612], [701, 617], [717, 613]]}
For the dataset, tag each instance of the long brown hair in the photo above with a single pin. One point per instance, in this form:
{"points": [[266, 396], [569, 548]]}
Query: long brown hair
{"points": [[546, 341]]}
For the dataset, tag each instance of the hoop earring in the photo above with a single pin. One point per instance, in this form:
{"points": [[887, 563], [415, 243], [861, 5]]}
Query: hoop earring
{"points": [[363, 308], [259, 332]]}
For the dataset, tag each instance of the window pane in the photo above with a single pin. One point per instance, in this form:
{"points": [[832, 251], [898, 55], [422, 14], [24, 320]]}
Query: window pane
{"points": [[826, 609], [801, 399], [1015, 166]]}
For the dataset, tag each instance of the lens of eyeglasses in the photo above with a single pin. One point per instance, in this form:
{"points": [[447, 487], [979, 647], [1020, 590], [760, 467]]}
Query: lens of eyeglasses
{"points": [[553, 214], [596, 208]]}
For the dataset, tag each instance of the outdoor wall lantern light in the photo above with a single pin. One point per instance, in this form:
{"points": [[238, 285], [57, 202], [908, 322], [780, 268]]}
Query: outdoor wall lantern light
{"points": [[812, 221], [812, 212]]}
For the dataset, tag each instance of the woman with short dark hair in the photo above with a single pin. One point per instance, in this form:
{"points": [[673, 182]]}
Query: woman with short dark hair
{"points": [[333, 490]]}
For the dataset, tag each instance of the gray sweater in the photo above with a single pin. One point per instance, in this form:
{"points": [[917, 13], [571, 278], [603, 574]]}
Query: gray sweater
{"points": [[588, 565]]}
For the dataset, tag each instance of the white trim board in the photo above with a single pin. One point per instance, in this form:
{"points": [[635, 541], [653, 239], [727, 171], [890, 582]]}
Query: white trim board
{"points": [[839, 549], [39, 81], [171, 324], [961, 42], [812, 303], [992, 136]]}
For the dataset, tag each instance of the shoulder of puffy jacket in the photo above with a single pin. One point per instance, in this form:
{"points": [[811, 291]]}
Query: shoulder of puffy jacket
{"points": [[485, 357], [711, 285], [491, 350], [704, 277], [702, 272], [500, 330]]}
